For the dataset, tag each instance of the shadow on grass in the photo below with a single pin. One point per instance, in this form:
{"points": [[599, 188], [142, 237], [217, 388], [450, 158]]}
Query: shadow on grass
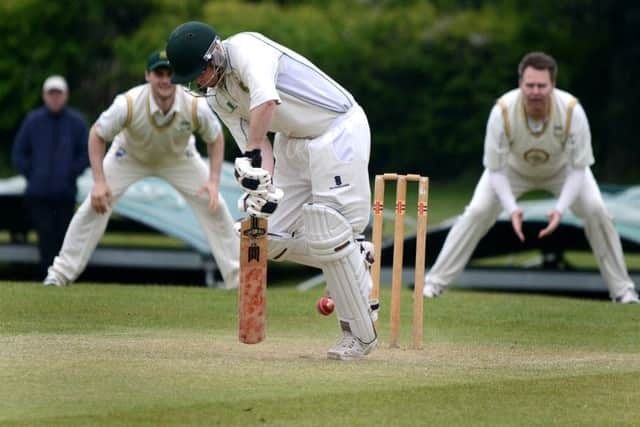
{"points": [[280, 274], [587, 294]]}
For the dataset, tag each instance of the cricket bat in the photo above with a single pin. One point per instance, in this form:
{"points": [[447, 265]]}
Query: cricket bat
{"points": [[252, 293]]}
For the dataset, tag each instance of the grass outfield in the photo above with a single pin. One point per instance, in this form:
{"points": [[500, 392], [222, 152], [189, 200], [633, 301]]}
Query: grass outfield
{"points": [[132, 355]]}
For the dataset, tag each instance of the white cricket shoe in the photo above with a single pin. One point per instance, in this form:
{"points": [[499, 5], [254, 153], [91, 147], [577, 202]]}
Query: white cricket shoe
{"points": [[52, 280], [351, 348], [629, 297], [432, 290]]}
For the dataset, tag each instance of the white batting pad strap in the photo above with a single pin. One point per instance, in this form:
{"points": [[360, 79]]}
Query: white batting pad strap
{"points": [[329, 233], [344, 279], [283, 247]]}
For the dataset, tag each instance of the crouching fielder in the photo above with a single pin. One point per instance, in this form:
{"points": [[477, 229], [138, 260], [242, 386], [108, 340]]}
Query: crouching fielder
{"points": [[537, 138], [151, 126], [320, 180]]}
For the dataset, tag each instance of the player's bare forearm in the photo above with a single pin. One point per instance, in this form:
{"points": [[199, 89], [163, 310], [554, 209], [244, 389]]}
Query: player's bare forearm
{"points": [[516, 222], [215, 152], [252, 171], [259, 122], [267, 155], [554, 221], [97, 148]]}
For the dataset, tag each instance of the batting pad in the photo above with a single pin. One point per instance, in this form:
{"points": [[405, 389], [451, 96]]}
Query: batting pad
{"points": [[330, 240], [283, 247]]}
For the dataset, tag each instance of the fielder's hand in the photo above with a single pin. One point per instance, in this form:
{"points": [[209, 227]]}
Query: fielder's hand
{"points": [[554, 221], [101, 197], [516, 222], [212, 190], [261, 204], [249, 173]]}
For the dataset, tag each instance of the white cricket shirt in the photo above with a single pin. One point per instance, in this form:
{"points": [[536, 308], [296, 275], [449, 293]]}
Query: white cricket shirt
{"points": [[135, 122], [261, 70], [564, 139]]}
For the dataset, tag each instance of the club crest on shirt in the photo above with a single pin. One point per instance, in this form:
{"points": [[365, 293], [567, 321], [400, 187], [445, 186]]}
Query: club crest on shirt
{"points": [[231, 106], [536, 156], [184, 126]]}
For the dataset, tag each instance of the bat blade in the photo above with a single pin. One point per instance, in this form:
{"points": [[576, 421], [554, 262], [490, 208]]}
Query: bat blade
{"points": [[252, 293]]}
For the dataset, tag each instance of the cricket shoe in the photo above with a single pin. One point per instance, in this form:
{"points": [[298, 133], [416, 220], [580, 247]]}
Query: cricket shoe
{"points": [[432, 290], [351, 348], [629, 297], [52, 280]]}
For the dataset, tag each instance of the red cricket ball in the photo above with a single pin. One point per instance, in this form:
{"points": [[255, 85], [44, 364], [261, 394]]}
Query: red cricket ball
{"points": [[325, 306]]}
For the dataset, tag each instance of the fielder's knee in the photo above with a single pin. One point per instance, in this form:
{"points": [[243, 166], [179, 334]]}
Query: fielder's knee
{"points": [[596, 211], [477, 213]]}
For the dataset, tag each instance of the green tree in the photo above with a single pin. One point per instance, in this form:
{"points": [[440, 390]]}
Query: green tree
{"points": [[69, 38], [426, 72]]}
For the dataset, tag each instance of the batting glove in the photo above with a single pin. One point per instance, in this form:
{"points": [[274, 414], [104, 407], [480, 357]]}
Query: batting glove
{"points": [[261, 204], [249, 174]]}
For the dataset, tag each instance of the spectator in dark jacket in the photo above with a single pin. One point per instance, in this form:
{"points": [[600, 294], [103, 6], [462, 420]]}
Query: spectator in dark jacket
{"points": [[50, 150]]}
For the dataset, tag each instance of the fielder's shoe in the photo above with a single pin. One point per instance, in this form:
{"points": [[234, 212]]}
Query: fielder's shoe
{"points": [[629, 297], [351, 348], [52, 280], [432, 290]]}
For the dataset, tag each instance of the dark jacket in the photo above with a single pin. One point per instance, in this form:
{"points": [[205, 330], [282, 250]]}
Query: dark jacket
{"points": [[51, 152]]}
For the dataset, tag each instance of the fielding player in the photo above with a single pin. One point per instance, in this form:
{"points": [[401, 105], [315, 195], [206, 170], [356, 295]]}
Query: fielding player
{"points": [[321, 149], [152, 127], [537, 138]]}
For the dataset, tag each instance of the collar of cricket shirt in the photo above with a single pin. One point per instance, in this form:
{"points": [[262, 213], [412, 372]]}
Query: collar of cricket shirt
{"points": [[154, 111], [545, 122]]}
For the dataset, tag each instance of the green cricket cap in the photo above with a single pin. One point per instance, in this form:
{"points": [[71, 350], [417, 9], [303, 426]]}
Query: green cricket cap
{"points": [[158, 59]]}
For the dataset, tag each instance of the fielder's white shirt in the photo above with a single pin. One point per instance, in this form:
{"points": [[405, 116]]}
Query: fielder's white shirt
{"points": [[138, 125], [542, 153], [261, 70]]}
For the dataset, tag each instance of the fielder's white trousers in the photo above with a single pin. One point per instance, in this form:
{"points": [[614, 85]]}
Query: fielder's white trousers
{"points": [[187, 174], [484, 209]]}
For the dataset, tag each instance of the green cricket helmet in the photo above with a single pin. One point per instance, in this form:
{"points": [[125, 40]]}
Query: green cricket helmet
{"points": [[188, 50]]}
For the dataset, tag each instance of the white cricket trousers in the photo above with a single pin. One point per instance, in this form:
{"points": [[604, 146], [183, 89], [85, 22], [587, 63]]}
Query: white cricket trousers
{"points": [[187, 174], [325, 181], [331, 170], [484, 209]]}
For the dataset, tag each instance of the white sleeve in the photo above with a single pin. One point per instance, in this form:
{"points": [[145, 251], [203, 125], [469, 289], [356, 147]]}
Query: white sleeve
{"points": [[496, 144], [571, 187], [113, 119], [579, 142], [210, 128], [258, 70], [500, 185]]}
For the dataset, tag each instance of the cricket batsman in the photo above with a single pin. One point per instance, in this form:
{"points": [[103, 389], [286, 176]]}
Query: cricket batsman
{"points": [[152, 127], [317, 193], [537, 138]]}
